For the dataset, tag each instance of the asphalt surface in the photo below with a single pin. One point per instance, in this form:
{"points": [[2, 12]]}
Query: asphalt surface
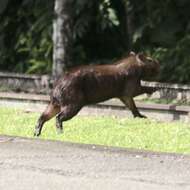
{"points": [[27, 164]]}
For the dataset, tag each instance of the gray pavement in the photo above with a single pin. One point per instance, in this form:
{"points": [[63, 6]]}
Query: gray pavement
{"points": [[27, 164]]}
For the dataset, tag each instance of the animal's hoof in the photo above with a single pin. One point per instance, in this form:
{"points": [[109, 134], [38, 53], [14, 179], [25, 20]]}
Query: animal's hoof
{"points": [[140, 116], [59, 131], [37, 133]]}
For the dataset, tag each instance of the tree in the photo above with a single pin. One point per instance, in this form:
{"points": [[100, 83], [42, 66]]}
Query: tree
{"points": [[62, 37], [26, 36], [99, 31]]}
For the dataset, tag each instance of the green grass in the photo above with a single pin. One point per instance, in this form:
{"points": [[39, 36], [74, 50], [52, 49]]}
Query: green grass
{"points": [[131, 133]]}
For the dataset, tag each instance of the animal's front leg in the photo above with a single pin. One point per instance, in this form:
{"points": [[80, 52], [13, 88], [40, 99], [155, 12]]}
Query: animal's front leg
{"points": [[128, 101]]}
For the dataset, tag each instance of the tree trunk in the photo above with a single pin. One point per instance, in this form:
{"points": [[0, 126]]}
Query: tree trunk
{"points": [[62, 37], [122, 13], [130, 21]]}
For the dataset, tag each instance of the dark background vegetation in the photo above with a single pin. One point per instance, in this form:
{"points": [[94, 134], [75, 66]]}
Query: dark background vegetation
{"points": [[104, 30]]}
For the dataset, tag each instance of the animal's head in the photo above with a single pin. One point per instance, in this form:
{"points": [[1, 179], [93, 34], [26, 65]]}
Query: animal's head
{"points": [[149, 67]]}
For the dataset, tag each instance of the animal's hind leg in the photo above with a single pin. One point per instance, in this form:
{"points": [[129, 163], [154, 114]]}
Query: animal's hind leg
{"points": [[67, 112], [50, 112]]}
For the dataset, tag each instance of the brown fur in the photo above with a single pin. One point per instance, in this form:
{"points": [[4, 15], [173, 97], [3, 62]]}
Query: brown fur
{"points": [[86, 85]]}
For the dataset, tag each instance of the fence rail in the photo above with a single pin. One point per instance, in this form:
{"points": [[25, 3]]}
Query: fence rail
{"points": [[42, 85], [113, 107]]}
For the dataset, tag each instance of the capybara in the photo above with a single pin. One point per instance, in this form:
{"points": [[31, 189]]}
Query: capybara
{"points": [[91, 84]]}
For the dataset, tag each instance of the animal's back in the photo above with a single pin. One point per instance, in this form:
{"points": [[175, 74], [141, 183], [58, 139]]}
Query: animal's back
{"points": [[102, 84], [93, 83]]}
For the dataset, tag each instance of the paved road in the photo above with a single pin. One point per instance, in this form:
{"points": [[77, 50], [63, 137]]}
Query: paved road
{"points": [[36, 165]]}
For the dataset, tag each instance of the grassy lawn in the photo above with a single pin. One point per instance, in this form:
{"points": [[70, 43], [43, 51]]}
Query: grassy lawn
{"points": [[130, 133]]}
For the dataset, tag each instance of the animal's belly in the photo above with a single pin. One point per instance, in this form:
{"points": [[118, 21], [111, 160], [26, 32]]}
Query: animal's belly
{"points": [[100, 95]]}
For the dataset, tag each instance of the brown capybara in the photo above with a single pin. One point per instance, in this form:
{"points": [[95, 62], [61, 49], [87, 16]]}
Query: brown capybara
{"points": [[91, 84]]}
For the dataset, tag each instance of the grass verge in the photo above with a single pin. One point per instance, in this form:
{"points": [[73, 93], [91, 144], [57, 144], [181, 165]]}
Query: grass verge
{"points": [[131, 133]]}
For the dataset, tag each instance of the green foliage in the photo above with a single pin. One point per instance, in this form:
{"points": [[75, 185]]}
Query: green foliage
{"points": [[177, 62], [103, 30], [162, 29], [96, 31], [25, 36]]}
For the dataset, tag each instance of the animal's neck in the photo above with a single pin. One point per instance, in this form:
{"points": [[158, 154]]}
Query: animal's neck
{"points": [[130, 67], [127, 62]]}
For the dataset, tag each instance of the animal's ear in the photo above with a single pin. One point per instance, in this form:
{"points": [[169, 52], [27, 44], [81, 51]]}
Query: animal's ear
{"points": [[132, 53], [141, 58]]}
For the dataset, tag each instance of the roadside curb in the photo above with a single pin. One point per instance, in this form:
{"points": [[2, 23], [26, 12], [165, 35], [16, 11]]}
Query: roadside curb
{"points": [[95, 147]]}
